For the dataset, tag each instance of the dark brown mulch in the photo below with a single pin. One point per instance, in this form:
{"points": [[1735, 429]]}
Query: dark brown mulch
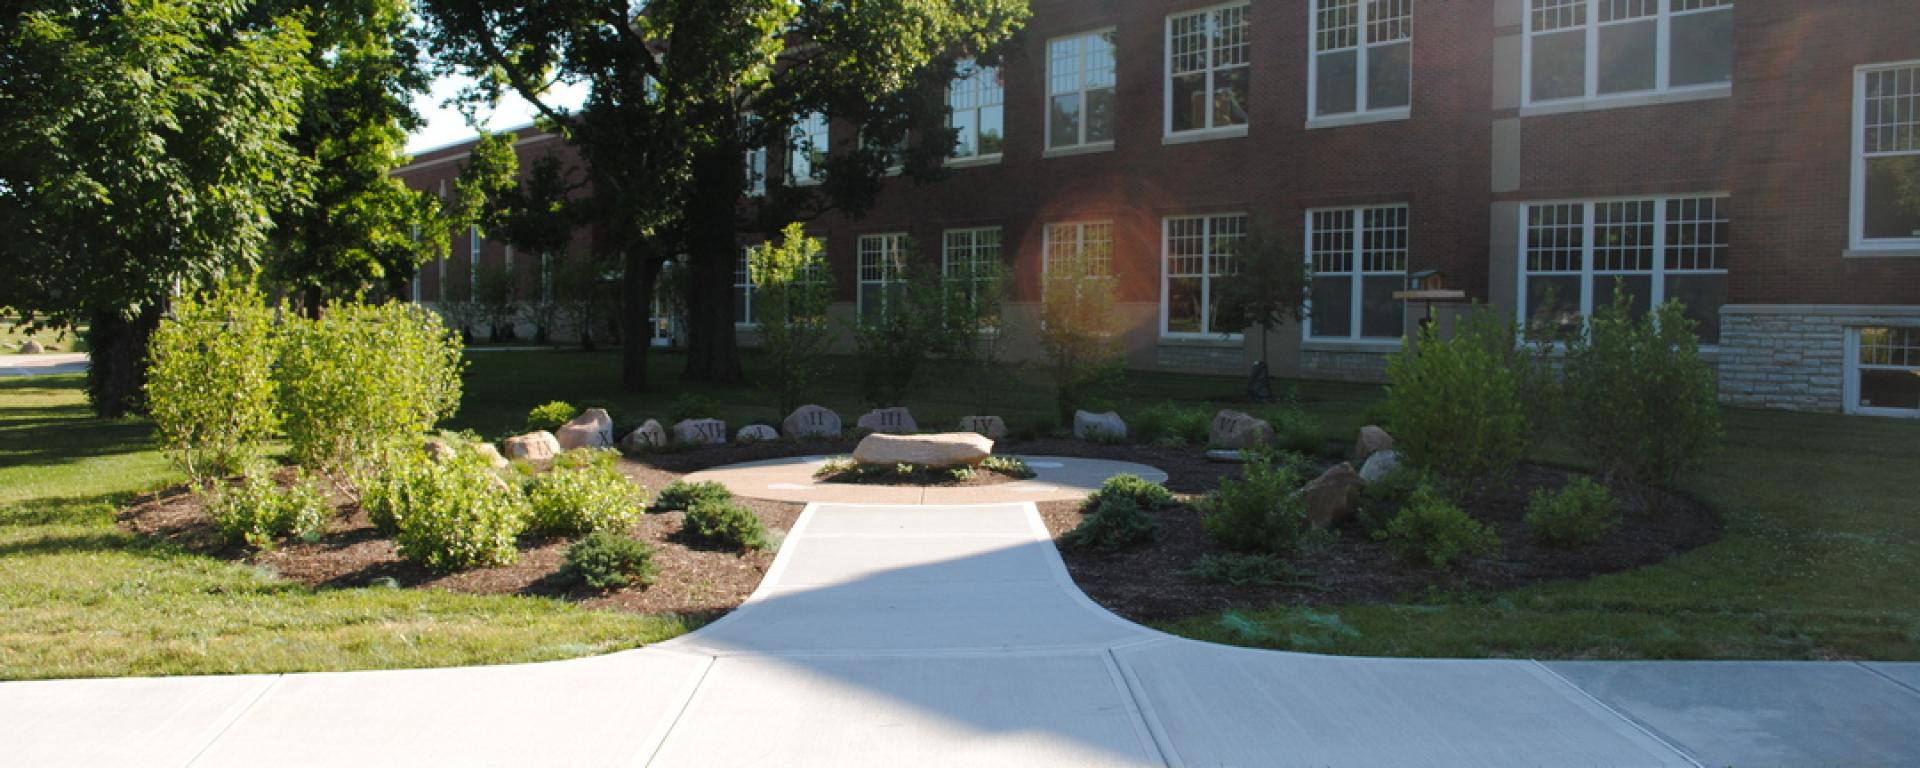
{"points": [[1149, 584]]}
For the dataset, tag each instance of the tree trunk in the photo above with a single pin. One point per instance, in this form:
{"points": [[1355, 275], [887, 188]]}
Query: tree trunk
{"points": [[117, 374], [636, 305], [713, 355]]}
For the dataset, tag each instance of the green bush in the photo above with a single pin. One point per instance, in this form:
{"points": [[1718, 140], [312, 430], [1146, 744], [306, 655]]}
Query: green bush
{"points": [[585, 494], [450, 515], [1241, 570], [1583, 512], [551, 416], [906, 326], [1381, 500], [1431, 530], [1079, 332], [1011, 466], [1118, 521], [725, 524], [1171, 424], [1642, 403], [790, 304], [605, 560], [1143, 494], [1295, 430], [1258, 511], [210, 385], [1455, 407], [256, 511], [681, 494], [362, 376]]}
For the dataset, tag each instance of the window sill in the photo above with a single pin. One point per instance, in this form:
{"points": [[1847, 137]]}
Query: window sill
{"points": [[1078, 149], [803, 183], [1206, 134], [1360, 118], [1369, 346], [973, 162], [1622, 101], [1885, 413], [1209, 340], [1882, 252]]}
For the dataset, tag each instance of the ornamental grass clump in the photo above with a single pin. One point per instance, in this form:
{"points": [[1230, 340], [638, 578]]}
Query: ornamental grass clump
{"points": [[583, 493]]}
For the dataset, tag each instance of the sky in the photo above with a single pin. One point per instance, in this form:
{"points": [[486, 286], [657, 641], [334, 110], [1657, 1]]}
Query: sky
{"points": [[446, 126]]}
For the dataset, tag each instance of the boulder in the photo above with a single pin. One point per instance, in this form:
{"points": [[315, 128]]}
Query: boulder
{"points": [[1098, 426], [593, 428], [949, 449], [492, 455], [755, 433], [811, 421], [1236, 429], [437, 449], [896, 421], [31, 347], [1372, 440], [533, 446], [700, 432], [650, 436], [1331, 498], [1379, 465], [991, 426]]}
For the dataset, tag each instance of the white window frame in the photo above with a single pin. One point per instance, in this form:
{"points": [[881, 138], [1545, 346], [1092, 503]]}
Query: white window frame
{"points": [[992, 94], [1657, 291], [473, 262], [1851, 376], [892, 251], [1357, 273], [1364, 53], [1662, 89], [1079, 243], [804, 128], [756, 162], [743, 278], [1080, 143], [1207, 272], [973, 252], [1857, 188], [1210, 130]]}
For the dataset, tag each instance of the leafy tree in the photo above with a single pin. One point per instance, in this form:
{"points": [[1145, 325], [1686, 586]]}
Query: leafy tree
{"points": [[1269, 291], [1078, 330], [978, 311], [142, 148], [920, 318], [791, 297]]}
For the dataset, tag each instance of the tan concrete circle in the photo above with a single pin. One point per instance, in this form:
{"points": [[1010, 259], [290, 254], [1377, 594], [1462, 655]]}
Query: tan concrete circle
{"points": [[1057, 478]]}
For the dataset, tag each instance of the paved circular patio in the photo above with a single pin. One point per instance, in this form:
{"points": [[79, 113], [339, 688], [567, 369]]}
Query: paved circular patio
{"points": [[1056, 478]]}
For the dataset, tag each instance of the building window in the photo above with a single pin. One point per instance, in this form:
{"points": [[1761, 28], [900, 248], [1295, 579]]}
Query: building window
{"points": [[969, 257], [756, 168], [1208, 69], [1197, 254], [1359, 259], [1886, 168], [1088, 244], [976, 111], [1361, 65], [1584, 49], [1657, 249], [883, 272], [1080, 78], [807, 150], [743, 288], [1886, 370], [473, 263]]}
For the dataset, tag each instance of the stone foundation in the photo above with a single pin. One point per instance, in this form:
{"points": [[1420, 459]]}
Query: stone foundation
{"points": [[1793, 357], [1344, 365]]}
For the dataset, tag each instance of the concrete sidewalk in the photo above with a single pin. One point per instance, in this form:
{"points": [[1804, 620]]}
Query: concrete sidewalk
{"points": [[41, 365], [917, 635]]}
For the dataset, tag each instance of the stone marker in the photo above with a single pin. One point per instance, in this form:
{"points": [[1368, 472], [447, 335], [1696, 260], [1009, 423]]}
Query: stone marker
{"points": [[650, 436], [1236, 429], [700, 432], [991, 426], [810, 421], [1379, 465], [1372, 440], [492, 455], [950, 449], [593, 428], [895, 421], [31, 347], [1098, 426], [533, 446], [755, 433], [1331, 497]]}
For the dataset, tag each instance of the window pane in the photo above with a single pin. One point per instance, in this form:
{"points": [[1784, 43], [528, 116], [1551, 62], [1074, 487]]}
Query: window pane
{"points": [[991, 130], [1639, 290], [1381, 315], [966, 133], [1230, 92], [1065, 121], [1703, 296], [1890, 389], [1100, 115], [1892, 203], [1332, 310], [870, 299], [1183, 305], [1702, 48], [1560, 65], [1189, 102], [1627, 54], [741, 296], [1389, 76], [1336, 84], [1553, 304]]}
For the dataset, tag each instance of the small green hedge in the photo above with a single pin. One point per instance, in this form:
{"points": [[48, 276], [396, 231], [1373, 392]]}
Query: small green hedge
{"points": [[1258, 512], [1581, 513], [725, 524], [606, 561], [584, 493], [257, 512], [1433, 531], [681, 494]]}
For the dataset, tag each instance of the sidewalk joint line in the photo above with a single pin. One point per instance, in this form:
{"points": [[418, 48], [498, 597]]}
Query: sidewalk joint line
{"points": [[235, 719], [1630, 721], [686, 704], [1889, 678], [1143, 711]]}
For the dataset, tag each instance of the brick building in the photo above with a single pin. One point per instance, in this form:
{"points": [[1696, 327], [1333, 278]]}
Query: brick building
{"points": [[1759, 160]]}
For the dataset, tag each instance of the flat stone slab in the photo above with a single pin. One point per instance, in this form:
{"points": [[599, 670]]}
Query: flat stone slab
{"points": [[1056, 478]]}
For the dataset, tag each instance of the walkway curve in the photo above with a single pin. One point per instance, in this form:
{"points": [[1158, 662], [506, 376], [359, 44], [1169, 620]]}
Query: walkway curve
{"points": [[894, 635]]}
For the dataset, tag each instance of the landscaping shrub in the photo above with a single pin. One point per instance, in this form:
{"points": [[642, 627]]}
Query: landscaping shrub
{"points": [[911, 326], [1381, 500], [1455, 407], [1295, 430], [1078, 331], [1171, 424], [726, 524], [1433, 531], [256, 511], [605, 560], [210, 385], [1241, 570], [1011, 466], [361, 376], [790, 303], [1143, 493], [1116, 522], [551, 416], [1583, 512], [1258, 511], [452, 514], [583, 494], [1642, 403], [681, 494]]}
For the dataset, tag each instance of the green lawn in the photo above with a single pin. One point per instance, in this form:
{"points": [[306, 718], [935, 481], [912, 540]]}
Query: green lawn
{"points": [[55, 341]]}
